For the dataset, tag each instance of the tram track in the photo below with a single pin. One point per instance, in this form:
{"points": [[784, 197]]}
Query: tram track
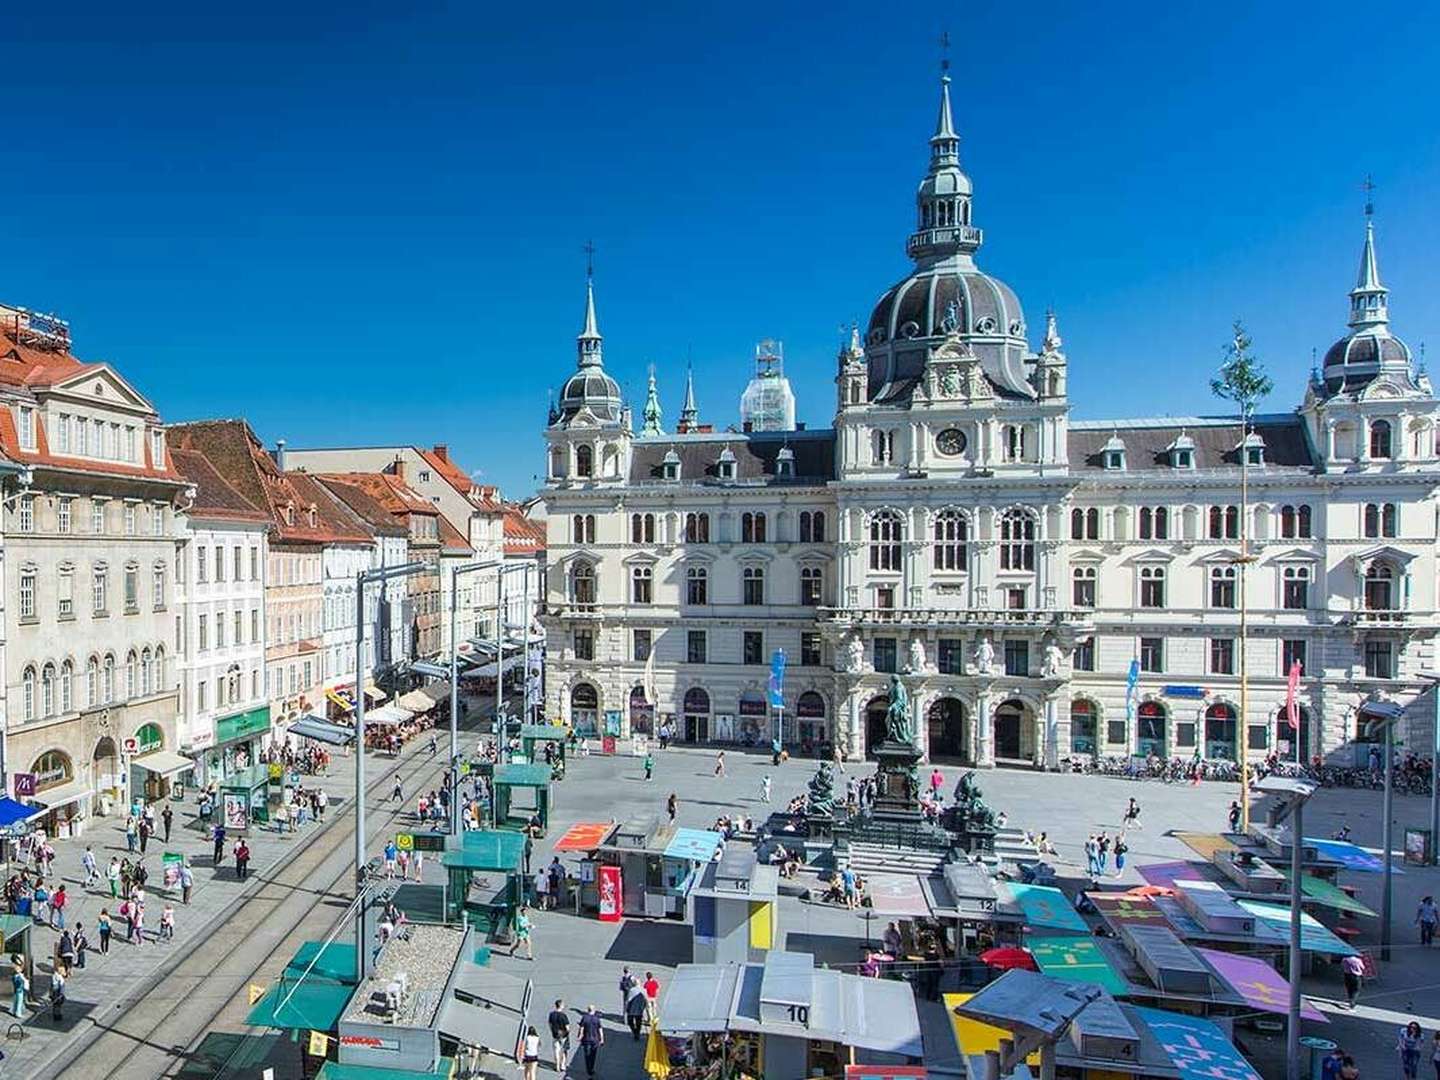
{"points": [[157, 1028]]}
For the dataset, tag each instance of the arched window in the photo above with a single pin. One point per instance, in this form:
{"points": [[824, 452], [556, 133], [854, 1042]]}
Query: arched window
{"points": [[1220, 732], [1387, 520], [584, 696], [697, 585], [1380, 439], [696, 702], [1222, 586], [1152, 586], [753, 585], [697, 528], [952, 533], [1014, 442], [642, 528], [882, 447], [132, 673], [146, 674], [887, 529], [47, 690], [27, 686], [1154, 523], [582, 584], [67, 686], [1077, 524], [1017, 541], [584, 461], [584, 528], [752, 528], [1302, 521], [812, 586], [1372, 520], [92, 681], [1379, 587], [107, 687], [642, 585], [1232, 522], [812, 526], [1287, 523], [1084, 579]]}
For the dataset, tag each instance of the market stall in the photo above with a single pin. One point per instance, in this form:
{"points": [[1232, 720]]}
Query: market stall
{"points": [[535, 738], [522, 797], [485, 879], [313, 727], [245, 799], [657, 864]]}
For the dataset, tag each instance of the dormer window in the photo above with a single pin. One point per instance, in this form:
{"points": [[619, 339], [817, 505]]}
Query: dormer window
{"points": [[1254, 448], [670, 465], [310, 516], [289, 513], [785, 463], [1182, 459], [725, 464], [1112, 454]]}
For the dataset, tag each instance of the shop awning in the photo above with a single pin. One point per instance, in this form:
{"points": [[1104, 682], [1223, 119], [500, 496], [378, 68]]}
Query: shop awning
{"points": [[487, 671], [424, 667], [388, 714], [1047, 907], [374, 694], [437, 692], [71, 792], [13, 813], [897, 895], [342, 700], [584, 836], [415, 701], [163, 763], [312, 1004], [312, 727], [498, 1030], [697, 845]]}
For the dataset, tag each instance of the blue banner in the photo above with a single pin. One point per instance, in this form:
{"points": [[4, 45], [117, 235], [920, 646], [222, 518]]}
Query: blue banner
{"points": [[777, 679], [1130, 682]]}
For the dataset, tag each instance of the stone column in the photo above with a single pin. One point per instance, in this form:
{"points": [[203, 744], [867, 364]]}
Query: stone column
{"points": [[984, 754], [1051, 753]]}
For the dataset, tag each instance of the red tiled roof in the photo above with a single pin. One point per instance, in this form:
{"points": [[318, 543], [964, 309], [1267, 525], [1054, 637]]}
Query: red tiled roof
{"points": [[482, 496], [214, 495], [389, 491], [451, 540], [378, 517], [522, 535]]}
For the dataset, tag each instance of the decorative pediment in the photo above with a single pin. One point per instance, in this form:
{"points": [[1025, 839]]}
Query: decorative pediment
{"points": [[1224, 556], [1087, 555], [100, 384], [1150, 556], [1385, 552]]}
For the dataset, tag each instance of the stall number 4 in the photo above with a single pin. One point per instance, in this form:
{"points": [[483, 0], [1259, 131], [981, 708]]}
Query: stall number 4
{"points": [[799, 1014]]}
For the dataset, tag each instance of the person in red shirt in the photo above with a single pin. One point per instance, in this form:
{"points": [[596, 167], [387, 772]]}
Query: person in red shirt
{"points": [[652, 996]]}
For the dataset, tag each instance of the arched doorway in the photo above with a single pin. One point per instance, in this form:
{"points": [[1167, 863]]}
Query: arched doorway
{"points": [[810, 717], [642, 713], [1150, 729], [1285, 734], [585, 709], [696, 708], [55, 788], [1220, 732], [1084, 725], [875, 712], [945, 721], [105, 769], [1014, 732]]}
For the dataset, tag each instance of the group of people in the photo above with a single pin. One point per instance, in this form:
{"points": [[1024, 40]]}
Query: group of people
{"points": [[140, 827], [1099, 847]]}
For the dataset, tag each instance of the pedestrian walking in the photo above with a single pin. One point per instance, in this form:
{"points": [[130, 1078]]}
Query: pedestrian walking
{"points": [[218, 835], [530, 1050], [649, 767], [1102, 852], [847, 886], [92, 871], [57, 996], [1353, 968], [187, 882], [167, 922], [627, 983], [1426, 917], [765, 788], [57, 907], [112, 874], [321, 802], [542, 889], [1234, 816], [402, 865], [720, 764], [1120, 849], [40, 903], [635, 1008], [22, 987], [652, 996], [392, 855], [82, 945], [167, 818], [417, 863], [1408, 1046], [242, 859], [592, 1037], [672, 804], [65, 951], [103, 928], [522, 933], [132, 833], [145, 830], [1132, 814], [433, 749], [1090, 869], [529, 850], [559, 1021], [397, 795]]}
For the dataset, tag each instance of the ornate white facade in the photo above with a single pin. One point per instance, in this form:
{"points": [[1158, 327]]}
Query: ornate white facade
{"points": [[957, 526]]}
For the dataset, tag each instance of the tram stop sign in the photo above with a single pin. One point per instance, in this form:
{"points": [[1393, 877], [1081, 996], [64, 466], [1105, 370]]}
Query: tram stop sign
{"points": [[405, 841]]}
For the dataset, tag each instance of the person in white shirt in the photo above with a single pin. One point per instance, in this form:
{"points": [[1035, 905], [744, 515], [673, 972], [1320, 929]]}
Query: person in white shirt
{"points": [[530, 1053]]}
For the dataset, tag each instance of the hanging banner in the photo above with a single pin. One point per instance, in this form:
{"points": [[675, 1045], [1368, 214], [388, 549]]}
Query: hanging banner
{"points": [[611, 890], [776, 686]]}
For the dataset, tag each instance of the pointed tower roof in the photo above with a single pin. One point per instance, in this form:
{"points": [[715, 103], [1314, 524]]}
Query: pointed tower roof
{"points": [[589, 391], [1369, 349], [589, 342], [944, 143], [1368, 300], [651, 412], [689, 414]]}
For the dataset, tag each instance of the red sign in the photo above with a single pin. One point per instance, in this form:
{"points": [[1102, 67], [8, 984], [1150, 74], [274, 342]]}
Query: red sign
{"points": [[24, 784], [607, 744], [610, 886]]}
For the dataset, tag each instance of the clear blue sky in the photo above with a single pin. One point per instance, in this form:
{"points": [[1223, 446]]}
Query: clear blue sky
{"points": [[364, 224]]}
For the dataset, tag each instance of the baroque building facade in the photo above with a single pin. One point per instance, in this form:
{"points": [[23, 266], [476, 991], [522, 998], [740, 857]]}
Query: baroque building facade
{"points": [[1044, 586]]}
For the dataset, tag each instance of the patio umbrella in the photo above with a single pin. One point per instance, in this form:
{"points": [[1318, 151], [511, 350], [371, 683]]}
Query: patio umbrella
{"points": [[1008, 958], [657, 1057]]}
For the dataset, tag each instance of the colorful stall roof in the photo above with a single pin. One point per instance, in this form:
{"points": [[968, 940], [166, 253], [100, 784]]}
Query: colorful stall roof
{"points": [[973, 1036], [1257, 982], [1272, 923], [1330, 895], [1351, 856], [1166, 874], [1196, 1047], [1119, 910], [1045, 906], [1077, 959], [697, 845], [1204, 844], [897, 895], [584, 836]]}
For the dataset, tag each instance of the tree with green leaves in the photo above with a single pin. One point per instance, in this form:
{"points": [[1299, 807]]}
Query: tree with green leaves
{"points": [[1242, 378]]}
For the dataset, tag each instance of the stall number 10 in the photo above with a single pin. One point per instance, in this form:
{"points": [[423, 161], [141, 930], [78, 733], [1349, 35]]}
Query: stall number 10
{"points": [[799, 1014]]}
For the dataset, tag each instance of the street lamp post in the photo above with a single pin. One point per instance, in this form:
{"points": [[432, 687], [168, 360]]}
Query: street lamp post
{"points": [[364, 578], [1295, 793], [1434, 678], [467, 568], [1382, 716]]}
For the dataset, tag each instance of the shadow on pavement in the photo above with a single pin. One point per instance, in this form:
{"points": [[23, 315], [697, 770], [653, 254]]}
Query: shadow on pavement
{"points": [[642, 942]]}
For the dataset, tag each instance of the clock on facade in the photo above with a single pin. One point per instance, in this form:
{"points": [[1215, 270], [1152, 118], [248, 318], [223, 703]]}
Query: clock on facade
{"points": [[950, 442]]}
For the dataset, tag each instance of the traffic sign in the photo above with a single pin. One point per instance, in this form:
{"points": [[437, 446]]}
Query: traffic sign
{"points": [[405, 841]]}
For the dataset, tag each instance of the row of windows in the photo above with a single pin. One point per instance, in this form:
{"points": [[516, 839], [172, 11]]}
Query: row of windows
{"points": [[91, 437], [297, 626], [1222, 656], [288, 569], [237, 563], [236, 622], [697, 646], [51, 690], [229, 689], [1380, 593], [287, 680], [99, 590], [1157, 523], [754, 528], [132, 516], [951, 536]]}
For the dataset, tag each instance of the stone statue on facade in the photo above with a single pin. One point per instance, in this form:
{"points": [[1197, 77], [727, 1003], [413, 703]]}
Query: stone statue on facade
{"points": [[984, 656], [918, 664], [855, 661], [1050, 666], [897, 716]]}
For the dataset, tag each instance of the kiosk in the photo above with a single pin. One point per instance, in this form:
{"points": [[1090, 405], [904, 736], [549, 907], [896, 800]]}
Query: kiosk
{"points": [[511, 813], [658, 864], [245, 799], [485, 880], [535, 737]]}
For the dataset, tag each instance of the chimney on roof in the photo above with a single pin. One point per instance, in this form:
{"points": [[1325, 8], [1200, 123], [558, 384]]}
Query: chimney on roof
{"points": [[442, 452], [397, 467], [280, 454]]}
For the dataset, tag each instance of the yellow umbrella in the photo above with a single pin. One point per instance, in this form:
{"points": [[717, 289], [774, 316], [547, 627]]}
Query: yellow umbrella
{"points": [[657, 1058]]}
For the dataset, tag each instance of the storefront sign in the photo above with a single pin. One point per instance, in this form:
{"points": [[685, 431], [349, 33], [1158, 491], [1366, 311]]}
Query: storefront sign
{"points": [[149, 738], [24, 784], [1195, 692], [370, 1042], [405, 841], [202, 740], [243, 725], [610, 889]]}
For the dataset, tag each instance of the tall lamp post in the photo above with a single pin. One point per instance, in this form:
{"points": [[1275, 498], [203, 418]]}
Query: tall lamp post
{"points": [[1381, 717], [363, 579], [1293, 794], [455, 572], [1434, 677]]}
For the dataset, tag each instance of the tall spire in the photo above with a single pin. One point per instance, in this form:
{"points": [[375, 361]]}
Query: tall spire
{"points": [[942, 204], [1369, 304], [689, 414], [651, 412], [588, 344], [944, 144]]}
